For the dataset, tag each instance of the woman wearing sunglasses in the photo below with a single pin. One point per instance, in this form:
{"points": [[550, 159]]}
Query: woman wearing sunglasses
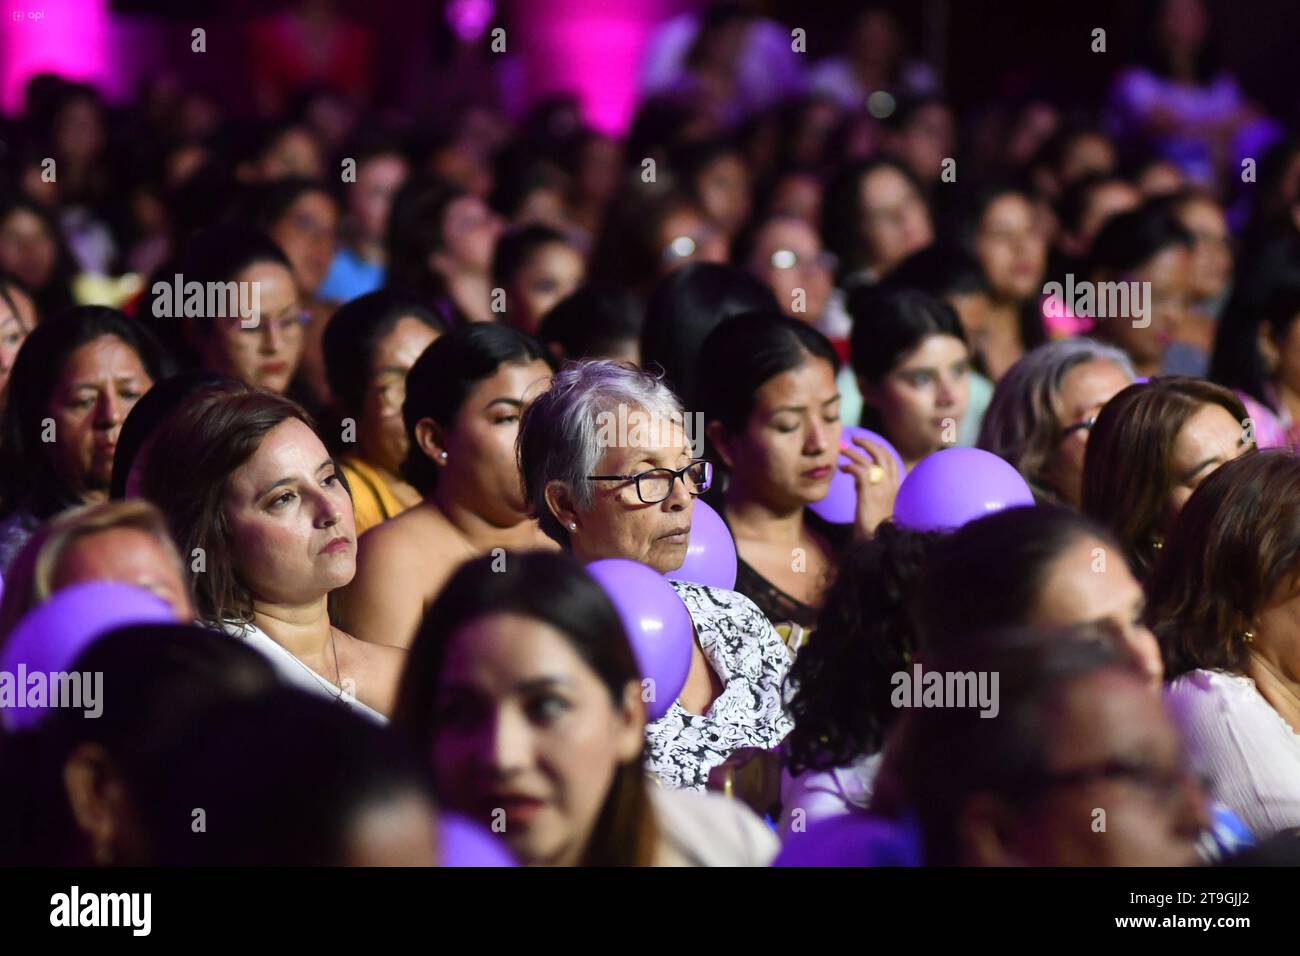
{"points": [[609, 470], [1043, 410]]}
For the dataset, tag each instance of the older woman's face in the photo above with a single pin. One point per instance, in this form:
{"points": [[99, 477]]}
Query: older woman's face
{"points": [[128, 556], [480, 468], [99, 384], [290, 523], [618, 524], [526, 735], [1086, 388]]}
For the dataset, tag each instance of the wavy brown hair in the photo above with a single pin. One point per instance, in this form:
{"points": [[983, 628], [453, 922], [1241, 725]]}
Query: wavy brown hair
{"points": [[1128, 469], [1236, 546], [187, 474]]}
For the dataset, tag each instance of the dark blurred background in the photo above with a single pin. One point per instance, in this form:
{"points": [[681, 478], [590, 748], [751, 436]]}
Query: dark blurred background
{"points": [[982, 49]]}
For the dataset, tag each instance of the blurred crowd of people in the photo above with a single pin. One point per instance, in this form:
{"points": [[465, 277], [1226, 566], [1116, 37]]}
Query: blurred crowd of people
{"points": [[367, 514]]}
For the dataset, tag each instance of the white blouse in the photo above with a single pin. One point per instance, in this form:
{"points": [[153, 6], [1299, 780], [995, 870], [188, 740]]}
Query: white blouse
{"points": [[294, 672], [1248, 752], [751, 661], [708, 829]]}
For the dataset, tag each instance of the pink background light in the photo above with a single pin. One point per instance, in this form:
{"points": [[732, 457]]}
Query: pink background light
{"points": [[68, 37], [593, 48]]}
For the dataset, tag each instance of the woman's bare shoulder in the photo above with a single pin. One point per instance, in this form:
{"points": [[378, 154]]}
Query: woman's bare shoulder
{"points": [[417, 538]]}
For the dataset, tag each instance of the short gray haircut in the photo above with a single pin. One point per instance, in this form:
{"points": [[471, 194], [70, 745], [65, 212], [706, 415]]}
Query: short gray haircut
{"points": [[558, 436], [1022, 423]]}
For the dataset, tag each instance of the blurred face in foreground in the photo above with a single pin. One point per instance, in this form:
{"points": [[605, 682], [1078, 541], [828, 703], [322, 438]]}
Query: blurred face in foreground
{"points": [[527, 739], [1114, 791]]}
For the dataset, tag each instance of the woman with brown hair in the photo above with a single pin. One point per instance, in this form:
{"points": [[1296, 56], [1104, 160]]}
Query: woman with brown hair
{"points": [[523, 688], [1150, 447], [264, 519], [1225, 604]]}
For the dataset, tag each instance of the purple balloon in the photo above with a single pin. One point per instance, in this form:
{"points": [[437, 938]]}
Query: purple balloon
{"points": [[840, 506], [464, 843], [711, 552], [51, 636], [852, 839], [657, 623], [956, 485]]}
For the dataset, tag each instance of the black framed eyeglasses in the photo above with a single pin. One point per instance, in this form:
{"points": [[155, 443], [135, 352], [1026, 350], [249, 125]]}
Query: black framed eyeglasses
{"points": [[656, 485]]}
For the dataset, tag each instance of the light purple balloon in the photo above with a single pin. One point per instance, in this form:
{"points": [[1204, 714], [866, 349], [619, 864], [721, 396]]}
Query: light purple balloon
{"points": [[51, 636], [956, 485], [711, 553], [464, 843], [657, 624], [840, 506]]}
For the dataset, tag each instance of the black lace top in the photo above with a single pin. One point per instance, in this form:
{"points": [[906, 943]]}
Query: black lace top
{"points": [[778, 606]]}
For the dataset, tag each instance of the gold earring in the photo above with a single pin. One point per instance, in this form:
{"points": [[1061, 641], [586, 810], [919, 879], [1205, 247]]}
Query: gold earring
{"points": [[1157, 543], [1249, 636]]}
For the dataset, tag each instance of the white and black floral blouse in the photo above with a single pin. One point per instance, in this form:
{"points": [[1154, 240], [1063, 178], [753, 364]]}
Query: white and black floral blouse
{"points": [[751, 661]]}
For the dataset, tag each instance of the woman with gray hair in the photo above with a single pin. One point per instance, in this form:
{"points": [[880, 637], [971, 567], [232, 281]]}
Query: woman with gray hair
{"points": [[1044, 408], [608, 468]]}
